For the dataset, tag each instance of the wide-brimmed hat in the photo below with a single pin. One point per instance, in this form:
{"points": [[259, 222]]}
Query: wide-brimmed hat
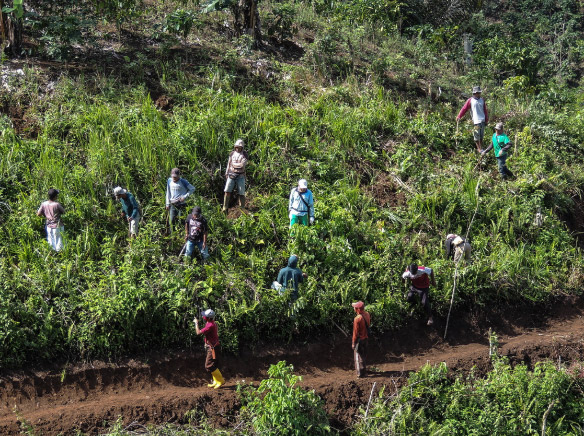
{"points": [[476, 89], [118, 190]]}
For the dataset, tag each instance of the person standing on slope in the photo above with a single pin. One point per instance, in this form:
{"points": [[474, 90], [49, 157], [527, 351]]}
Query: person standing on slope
{"points": [[420, 277], [301, 205], [361, 325], [52, 210], [480, 116], [196, 232], [457, 247], [290, 277], [235, 174], [177, 192], [212, 347], [500, 144], [130, 209]]}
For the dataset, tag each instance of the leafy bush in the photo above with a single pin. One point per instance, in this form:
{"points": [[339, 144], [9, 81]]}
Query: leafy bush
{"points": [[509, 401], [280, 407]]}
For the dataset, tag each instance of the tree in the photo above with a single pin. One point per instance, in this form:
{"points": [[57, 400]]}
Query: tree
{"points": [[246, 16], [11, 26]]}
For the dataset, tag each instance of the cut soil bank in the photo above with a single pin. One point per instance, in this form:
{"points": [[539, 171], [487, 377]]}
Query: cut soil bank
{"points": [[163, 389]]}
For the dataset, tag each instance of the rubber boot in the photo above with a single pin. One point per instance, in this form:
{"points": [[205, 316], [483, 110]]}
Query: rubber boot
{"points": [[219, 380], [226, 198], [242, 201], [212, 385]]}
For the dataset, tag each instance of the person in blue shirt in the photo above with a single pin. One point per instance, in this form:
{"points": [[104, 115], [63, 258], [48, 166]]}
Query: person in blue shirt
{"points": [[291, 276], [178, 190], [301, 205], [130, 209], [500, 144]]}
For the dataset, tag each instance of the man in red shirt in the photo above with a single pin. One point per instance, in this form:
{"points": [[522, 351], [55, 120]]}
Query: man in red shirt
{"points": [[361, 325], [212, 347], [420, 276]]}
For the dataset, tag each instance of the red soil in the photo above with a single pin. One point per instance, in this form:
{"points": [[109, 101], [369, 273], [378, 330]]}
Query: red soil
{"points": [[161, 389]]}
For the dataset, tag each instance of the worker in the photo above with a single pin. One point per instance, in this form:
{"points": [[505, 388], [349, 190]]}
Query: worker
{"points": [[212, 347], [177, 192], [420, 277], [301, 205], [52, 210], [290, 277], [480, 117], [457, 247], [130, 209], [196, 232], [235, 174], [500, 144], [361, 328]]}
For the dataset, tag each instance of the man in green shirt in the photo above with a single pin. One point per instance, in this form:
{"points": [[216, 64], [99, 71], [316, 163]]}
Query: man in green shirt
{"points": [[500, 144], [130, 209]]}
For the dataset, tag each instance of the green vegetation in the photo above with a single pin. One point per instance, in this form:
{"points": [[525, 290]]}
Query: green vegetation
{"points": [[510, 401], [366, 114]]}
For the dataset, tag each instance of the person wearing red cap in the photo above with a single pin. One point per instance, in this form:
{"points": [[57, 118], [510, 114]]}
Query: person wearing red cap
{"points": [[361, 325]]}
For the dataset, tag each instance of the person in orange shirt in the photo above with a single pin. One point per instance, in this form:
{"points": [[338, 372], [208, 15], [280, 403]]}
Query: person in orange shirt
{"points": [[361, 325]]}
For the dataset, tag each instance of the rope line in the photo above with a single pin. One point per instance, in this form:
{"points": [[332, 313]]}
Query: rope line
{"points": [[458, 263]]}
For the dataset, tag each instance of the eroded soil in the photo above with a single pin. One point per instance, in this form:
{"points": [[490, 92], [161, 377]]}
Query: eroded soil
{"points": [[163, 388]]}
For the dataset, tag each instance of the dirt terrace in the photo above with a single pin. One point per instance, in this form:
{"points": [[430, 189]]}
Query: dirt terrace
{"points": [[163, 388]]}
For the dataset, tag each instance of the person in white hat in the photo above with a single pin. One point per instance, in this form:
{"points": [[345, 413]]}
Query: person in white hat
{"points": [[500, 144], [480, 117], [130, 209], [52, 210], [212, 347], [235, 174], [301, 205], [457, 247]]}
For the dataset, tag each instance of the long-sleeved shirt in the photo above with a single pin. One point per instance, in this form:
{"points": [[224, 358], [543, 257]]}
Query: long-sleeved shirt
{"points": [[52, 211], [500, 143], [478, 109], [299, 207], [130, 206], [359, 327], [178, 192]]}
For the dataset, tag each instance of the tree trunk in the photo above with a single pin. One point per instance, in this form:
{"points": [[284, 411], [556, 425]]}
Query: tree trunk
{"points": [[247, 19], [11, 31]]}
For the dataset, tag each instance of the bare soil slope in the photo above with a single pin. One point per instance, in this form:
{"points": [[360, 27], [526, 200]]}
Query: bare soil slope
{"points": [[162, 388]]}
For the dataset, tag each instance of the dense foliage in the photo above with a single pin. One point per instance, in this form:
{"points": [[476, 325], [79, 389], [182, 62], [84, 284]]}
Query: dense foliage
{"points": [[279, 407], [510, 401], [366, 115]]}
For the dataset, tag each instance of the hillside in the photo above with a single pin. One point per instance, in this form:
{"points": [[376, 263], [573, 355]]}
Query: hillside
{"points": [[358, 98]]}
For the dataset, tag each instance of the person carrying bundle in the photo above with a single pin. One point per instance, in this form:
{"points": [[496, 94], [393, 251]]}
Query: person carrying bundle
{"points": [[457, 247]]}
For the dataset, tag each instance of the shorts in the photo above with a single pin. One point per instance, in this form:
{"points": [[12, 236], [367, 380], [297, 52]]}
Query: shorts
{"points": [[479, 132], [239, 181]]}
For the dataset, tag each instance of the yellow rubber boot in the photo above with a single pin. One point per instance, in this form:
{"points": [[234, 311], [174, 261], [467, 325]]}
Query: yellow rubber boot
{"points": [[219, 379], [212, 385]]}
